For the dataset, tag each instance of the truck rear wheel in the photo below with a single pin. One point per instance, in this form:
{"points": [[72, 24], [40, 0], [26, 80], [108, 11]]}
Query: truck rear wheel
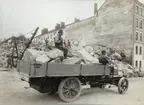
{"points": [[69, 89]]}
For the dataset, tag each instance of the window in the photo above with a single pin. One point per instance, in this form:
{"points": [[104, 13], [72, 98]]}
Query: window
{"points": [[140, 64], [141, 11], [141, 24], [136, 35], [140, 36], [136, 49], [137, 23], [136, 63], [137, 9], [140, 50]]}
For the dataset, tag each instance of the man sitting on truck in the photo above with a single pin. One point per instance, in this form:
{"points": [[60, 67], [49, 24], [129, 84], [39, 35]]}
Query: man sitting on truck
{"points": [[58, 40], [104, 59]]}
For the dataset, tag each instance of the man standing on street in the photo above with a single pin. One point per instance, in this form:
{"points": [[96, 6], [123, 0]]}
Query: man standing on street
{"points": [[9, 62], [59, 43]]}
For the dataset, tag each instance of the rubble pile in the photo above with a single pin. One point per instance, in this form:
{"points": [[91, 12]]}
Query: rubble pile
{"points": [[4, 51], [7, 49], [79, 53]]}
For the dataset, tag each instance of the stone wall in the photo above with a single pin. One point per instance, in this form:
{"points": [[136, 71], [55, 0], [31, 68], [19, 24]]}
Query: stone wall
{"points": [[81, 31], [114, 24]]}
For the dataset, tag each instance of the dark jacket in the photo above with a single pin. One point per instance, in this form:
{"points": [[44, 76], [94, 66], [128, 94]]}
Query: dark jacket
{"points": [[58, 41]]}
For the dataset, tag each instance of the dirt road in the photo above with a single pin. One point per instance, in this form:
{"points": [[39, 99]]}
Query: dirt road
{"points": [[12, 92]]}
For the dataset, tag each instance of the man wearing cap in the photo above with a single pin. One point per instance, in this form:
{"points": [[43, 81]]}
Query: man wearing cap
{"points": [[104, 59], [58, 40]]}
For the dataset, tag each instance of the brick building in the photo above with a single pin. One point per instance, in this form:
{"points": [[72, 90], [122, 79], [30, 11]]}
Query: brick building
{"points": [[117, 23]]}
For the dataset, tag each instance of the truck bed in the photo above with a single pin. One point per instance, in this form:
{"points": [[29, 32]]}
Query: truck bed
{"points": [[61, 70]]}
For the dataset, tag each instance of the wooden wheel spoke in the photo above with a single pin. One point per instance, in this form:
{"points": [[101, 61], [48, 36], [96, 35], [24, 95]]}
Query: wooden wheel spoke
{"points": [[65, 91], [75, 90], [68, 83], [66, 94], [124, 87], [65, 87], [74, 94], [70, 94], [75, 85]]}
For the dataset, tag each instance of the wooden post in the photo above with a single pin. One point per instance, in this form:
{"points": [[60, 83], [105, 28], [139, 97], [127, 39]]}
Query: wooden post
{"points": [[27, 46]]}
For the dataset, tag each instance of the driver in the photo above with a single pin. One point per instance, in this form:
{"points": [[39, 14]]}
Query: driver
{"points": [[104, 59]]}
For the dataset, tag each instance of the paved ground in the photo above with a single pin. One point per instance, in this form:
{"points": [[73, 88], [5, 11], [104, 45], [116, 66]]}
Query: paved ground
{"points": [[12, 92]]}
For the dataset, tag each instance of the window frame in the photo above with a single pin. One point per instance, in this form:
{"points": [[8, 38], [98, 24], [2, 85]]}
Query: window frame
{"points": [[141, 37], [136, 49], [136, 63], [136, 36], [137, 9], [141, 24], [140, 50], [137, 22], [140, 64], [141, 10]]}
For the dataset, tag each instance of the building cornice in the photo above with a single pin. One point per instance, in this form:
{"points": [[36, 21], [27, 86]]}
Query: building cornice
{"points": [[139, 3]]}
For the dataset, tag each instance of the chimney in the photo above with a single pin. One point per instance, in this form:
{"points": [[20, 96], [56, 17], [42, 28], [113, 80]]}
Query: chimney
{"points": [[44, 31], [62, 24], [57, 26], [76, 20], [95, 8]]}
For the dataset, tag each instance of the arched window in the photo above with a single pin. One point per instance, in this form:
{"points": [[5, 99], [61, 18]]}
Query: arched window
{"points": [[140, 50], [136, 49], [140, 36], [136, 63], [136, 35], [141, 11], [137, 9], [137, 23], [140, 64], [141, 24]]}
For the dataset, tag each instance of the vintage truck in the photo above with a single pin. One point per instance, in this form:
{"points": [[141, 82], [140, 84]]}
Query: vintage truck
{"points": [[67, 79]]}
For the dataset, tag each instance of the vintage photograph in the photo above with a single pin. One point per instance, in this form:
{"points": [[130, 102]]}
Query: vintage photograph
{"points": [[55, 52]]}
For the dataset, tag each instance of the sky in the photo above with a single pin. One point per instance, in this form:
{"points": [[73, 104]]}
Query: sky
{"points": [[22, 16]]}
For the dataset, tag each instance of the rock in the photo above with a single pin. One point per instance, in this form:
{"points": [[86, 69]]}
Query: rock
{"points": [[116, 56], [54, 53], [31, 55], [43, 58], [87, 57], [73, 60], [56, 61]]}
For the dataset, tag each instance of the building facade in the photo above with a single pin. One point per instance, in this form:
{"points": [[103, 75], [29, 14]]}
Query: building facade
{"points": [[120, 23], [139, 34], [117, 23]]}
